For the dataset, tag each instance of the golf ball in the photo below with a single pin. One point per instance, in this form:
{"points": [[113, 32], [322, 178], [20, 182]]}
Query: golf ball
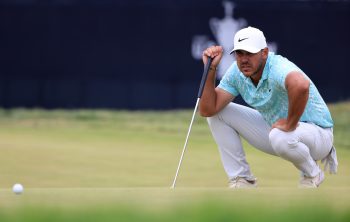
{"points": [[17, 188]]}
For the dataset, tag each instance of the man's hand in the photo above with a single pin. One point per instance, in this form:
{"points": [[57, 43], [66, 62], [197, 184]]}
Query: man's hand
{"points": [[214, 52], [213, 99], [283, 125]]}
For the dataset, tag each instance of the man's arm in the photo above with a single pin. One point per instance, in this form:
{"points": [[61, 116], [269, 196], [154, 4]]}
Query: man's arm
{"points": [[298, 93], [213, 99]]}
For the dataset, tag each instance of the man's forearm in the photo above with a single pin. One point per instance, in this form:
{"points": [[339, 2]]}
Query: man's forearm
{"points": [[298, 95], [208, 100]]}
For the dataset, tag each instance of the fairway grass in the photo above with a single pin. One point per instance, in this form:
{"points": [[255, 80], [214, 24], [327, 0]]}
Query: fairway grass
{"points": [[99, 165], [182, 204]]}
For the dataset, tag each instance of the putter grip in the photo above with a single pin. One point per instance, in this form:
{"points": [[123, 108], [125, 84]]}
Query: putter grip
{"points": [[204, 77]]}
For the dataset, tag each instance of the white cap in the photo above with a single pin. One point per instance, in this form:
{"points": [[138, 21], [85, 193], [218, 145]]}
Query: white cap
{"points": [[249, 39]]}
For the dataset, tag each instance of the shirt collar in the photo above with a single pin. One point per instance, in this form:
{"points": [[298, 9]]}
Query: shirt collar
{"points": [[266, 71]]}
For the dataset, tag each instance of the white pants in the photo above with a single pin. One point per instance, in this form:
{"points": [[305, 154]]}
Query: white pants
{"points": [[302, 147]]}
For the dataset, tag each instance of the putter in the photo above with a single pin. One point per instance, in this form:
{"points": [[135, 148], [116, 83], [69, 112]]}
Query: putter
{"points": [[200, 92]]}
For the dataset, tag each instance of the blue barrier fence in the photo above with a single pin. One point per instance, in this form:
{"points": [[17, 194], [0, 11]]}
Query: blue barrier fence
{"points": [[146, 54]]}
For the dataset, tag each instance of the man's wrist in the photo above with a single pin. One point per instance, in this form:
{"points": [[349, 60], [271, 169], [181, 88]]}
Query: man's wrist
{"points": [[292, 125], [212, 68]]}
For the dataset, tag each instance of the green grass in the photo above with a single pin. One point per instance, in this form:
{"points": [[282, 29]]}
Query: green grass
{"points": [[99, 165]]}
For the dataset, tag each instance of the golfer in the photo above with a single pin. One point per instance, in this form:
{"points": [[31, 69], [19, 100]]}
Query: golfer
{"points": [[286, 117]]}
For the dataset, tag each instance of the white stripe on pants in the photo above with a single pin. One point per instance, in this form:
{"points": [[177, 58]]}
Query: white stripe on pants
{"points": [[302, 146]]}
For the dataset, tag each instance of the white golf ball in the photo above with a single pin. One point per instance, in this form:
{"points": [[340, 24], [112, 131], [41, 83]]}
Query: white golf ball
{"points": [[17, 188]]}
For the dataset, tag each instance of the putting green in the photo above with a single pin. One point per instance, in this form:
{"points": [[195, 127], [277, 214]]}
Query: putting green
{"points": [[121, 164]]}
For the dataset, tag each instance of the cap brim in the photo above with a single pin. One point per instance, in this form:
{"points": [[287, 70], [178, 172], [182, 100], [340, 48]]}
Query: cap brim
{"points": [[246, 48]]}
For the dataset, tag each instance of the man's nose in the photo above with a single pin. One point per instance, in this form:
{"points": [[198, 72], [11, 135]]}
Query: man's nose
{"points": [[244, 58]]}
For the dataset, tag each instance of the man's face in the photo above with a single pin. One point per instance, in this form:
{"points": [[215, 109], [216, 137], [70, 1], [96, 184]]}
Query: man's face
{"points": [[250, 63]]}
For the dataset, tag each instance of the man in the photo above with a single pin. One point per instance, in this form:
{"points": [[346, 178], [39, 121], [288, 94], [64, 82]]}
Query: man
{"points": [[288, 117]]}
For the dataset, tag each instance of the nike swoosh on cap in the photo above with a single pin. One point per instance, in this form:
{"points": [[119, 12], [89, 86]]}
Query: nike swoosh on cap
{"points": [[240, 40]]}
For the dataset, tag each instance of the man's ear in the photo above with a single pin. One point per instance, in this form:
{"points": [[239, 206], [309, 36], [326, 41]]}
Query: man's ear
{"points": [[265, 52]]}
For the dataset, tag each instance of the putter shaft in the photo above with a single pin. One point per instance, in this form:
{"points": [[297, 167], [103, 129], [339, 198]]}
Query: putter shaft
{"points": [[200, 91], [184, 148]]}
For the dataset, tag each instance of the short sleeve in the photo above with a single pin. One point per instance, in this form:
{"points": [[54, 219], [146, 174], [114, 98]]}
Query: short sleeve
{"points": [[281, 70], [227, 82]]}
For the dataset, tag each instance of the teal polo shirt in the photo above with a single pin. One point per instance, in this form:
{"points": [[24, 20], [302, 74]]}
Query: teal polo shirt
{"points": [[270, 96]]}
